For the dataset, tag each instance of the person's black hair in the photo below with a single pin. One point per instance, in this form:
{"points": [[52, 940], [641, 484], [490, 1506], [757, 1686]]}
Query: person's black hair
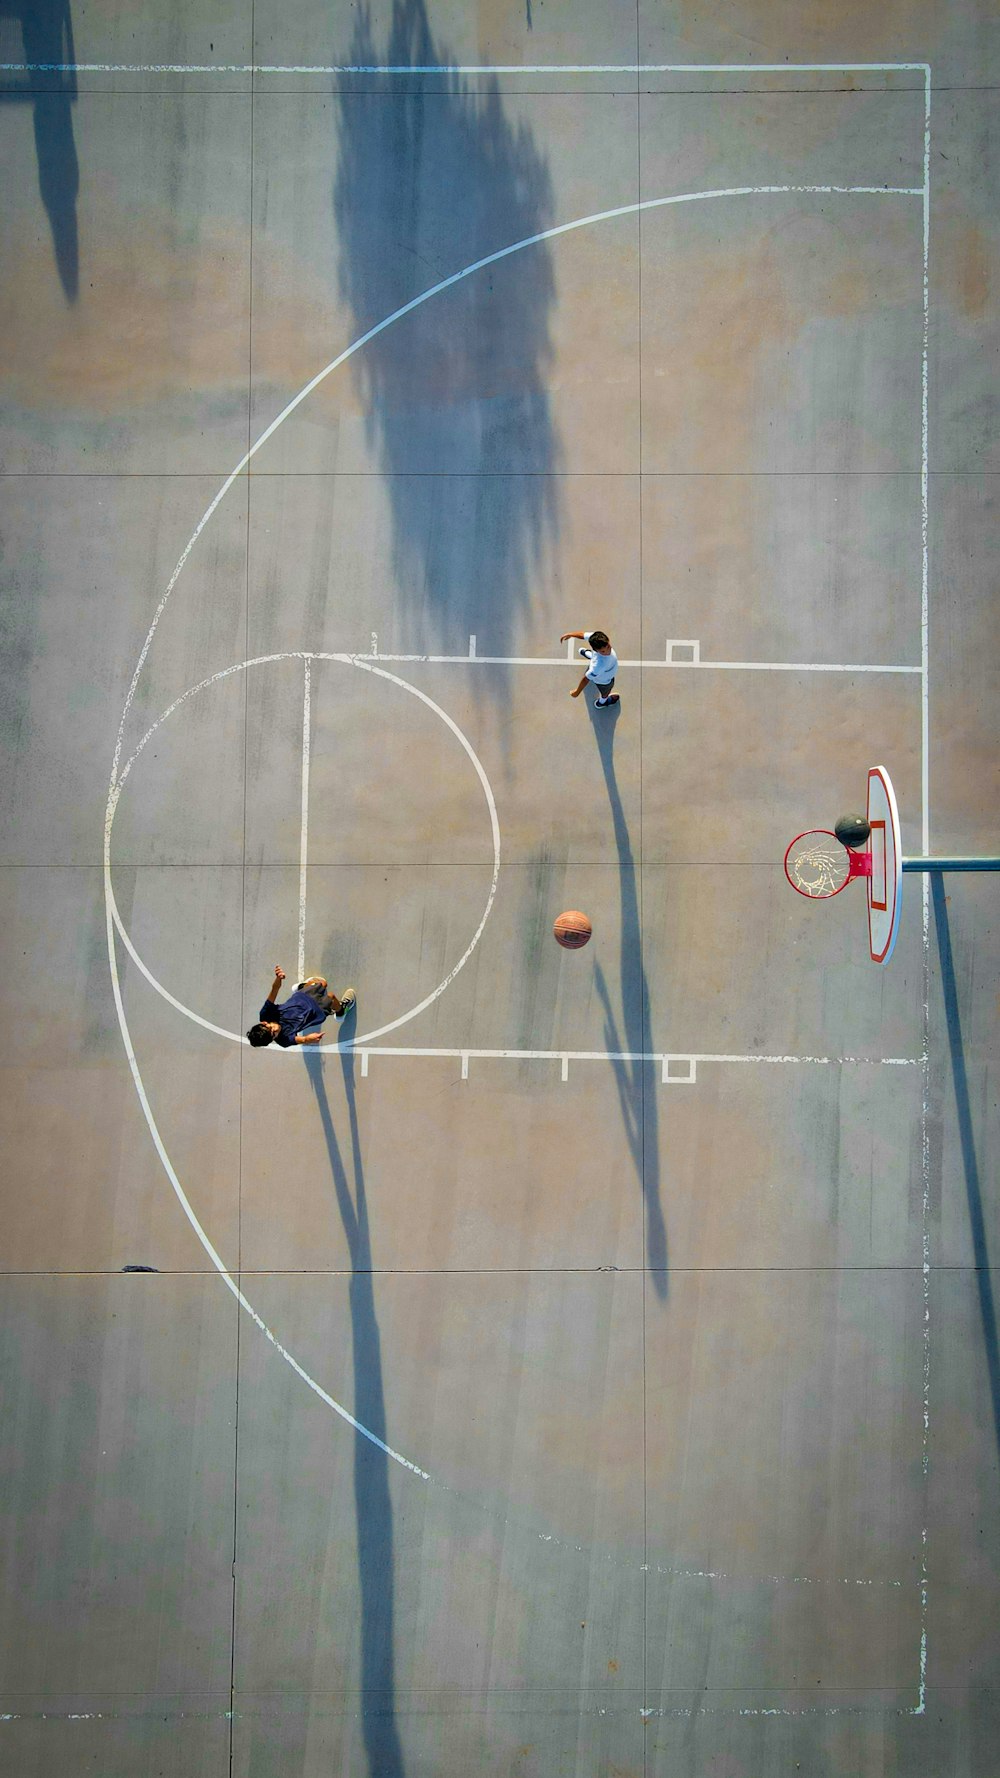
{"points": [[259, 1036], [598, 639]]}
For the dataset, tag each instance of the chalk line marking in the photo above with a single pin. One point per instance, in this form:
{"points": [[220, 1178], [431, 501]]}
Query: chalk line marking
{"points": [[556, 231], [304, 827], [367, 666]]}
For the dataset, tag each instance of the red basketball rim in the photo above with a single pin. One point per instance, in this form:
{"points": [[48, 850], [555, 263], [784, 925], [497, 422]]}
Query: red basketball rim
{"points": [[825, 833]]}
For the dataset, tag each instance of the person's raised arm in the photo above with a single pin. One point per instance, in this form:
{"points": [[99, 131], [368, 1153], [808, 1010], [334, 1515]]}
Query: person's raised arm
{"points": [[574, 636], [279, 976]]}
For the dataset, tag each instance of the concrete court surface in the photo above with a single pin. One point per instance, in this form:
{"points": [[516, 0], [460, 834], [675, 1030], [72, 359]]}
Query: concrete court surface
{"points": [[666, 1337]]}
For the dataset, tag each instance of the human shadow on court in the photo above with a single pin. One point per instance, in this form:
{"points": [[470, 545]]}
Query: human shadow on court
{"points": [[46, 31], [372, 1499], [970, 1163], [636, 1081], [455, 394]]}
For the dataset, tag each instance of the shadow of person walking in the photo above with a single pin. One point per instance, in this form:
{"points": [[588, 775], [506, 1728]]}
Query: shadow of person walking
{"points": [[50, 82], [970, 1162], [455, 394], [636, 1081], [372, 1499]]}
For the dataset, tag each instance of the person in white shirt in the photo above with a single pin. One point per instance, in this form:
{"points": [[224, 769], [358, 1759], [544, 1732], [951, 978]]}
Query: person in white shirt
{"points": [[603, 666]]}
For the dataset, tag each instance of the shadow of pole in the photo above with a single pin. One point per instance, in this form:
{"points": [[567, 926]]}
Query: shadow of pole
{"points": [[47, 37], [429, 179], [372, 1499], [636, 1081], [970, 1164]]}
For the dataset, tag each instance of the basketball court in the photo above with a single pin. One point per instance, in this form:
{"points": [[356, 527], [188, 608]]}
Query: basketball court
{"points": [[584, 1361]]}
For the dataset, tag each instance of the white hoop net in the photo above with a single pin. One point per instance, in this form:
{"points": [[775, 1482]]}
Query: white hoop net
{"points": [[817, 865]]}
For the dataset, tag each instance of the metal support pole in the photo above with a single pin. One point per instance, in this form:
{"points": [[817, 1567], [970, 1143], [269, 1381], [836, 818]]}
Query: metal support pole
{"points": [[926, 864]]}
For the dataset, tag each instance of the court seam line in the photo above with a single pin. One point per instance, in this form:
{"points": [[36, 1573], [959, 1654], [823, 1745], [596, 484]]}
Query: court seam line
{"points": [[925, 901], [304, 818], [243, 952], [641, 1209]]}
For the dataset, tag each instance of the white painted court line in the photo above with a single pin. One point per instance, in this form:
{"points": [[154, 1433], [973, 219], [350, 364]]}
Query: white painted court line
{"points": [[699, 663], [464, 68], [304, 829], [663, 1058], [470, 1699], [924, 508]]}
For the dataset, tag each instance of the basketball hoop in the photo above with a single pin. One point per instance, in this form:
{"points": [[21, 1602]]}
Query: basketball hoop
{"points": [[821, 863], [817, 864]]}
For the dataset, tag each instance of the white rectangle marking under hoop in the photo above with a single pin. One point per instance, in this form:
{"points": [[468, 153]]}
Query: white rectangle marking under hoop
{"points": [[685, 660], [689, 1079]]}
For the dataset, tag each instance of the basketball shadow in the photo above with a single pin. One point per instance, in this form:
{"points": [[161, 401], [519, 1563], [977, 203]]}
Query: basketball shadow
{"points": [[970, 1163], [638, 1087], [372, 1498], [455, 394], [46, 31]]}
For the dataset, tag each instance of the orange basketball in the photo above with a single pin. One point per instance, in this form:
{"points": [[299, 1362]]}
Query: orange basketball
{"points": [[573, 929]]}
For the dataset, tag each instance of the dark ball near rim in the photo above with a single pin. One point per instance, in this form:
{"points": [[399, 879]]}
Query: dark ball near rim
{"points": [[852, 830]]}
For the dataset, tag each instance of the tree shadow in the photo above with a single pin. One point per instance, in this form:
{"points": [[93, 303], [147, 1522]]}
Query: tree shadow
{"points": [[47, 37], [970, 1163], [636, 1081], [455, 394], [372, 1499]]}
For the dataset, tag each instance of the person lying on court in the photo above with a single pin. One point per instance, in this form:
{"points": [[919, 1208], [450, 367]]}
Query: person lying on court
{"points": [[603, 666], [298, 1019]]}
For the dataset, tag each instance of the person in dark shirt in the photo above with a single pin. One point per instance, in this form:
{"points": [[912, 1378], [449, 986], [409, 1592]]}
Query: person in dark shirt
{"points": [[299, 1018]]}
